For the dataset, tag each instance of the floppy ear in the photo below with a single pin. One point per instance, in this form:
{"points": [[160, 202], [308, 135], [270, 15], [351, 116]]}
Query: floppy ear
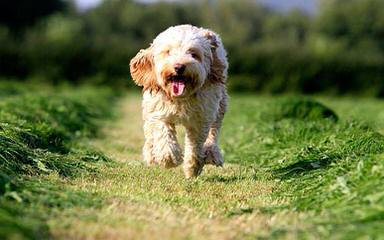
{"points": [[218, 66], [141, 67]]}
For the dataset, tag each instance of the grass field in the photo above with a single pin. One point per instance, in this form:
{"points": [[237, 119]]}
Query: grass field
{"points": [[294, 168], [40, 148]]}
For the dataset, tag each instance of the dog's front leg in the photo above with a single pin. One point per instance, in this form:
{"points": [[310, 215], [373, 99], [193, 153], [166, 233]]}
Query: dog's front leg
{"points": [[166, 150], [194, 154], [148, 143]]}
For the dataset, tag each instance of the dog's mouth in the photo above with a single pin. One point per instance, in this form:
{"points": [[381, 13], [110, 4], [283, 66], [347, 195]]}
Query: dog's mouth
{"points": [[178, 83]]}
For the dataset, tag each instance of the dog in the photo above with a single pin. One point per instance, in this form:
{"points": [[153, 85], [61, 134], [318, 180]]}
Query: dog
{"points": [[183, 75]]}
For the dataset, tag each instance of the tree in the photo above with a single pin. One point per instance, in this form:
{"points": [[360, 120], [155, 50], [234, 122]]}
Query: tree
{"points": [[18, 14]]}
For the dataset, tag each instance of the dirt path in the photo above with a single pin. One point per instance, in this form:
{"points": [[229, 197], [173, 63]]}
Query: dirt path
{"points": [[132, 201]]}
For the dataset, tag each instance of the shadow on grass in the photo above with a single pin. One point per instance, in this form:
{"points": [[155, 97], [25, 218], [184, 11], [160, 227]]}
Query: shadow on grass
{"points": [[225, 179], [241, 174], [372, 218], [267, 210], [239, 211], [302, 167]]}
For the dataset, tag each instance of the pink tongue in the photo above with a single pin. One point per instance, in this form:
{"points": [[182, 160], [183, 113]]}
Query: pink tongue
{"points": [[178, 88]]}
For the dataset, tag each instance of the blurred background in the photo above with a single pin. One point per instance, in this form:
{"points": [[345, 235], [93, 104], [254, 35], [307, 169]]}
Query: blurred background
{"points": [[333, 47]]}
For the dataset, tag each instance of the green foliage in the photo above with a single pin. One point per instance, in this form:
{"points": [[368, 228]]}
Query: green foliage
{"points": [[337, 51], [354, 22], [23, 13]]}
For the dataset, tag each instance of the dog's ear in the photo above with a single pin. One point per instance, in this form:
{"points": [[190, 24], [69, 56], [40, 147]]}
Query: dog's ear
{"points": [[211, 36], [218, 66], [141, 67]]}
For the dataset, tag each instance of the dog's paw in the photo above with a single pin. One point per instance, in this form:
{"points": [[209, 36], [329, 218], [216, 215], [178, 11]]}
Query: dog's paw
{"points": [[170, 158], [212, 155], [193, 170], [149, 161], [148, 154]]}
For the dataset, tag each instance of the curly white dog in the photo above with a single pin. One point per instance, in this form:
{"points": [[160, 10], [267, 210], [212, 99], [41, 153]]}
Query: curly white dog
{"points": [[183, 74]]}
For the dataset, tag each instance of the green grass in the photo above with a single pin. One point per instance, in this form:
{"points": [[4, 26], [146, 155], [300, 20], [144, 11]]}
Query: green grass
{"points": [[295, 168], [331, 168], [40, 147]]}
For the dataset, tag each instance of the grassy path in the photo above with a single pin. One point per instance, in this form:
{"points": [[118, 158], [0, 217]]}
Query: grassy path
{"points": [[247, 198], [144, 202], [294, 169]]}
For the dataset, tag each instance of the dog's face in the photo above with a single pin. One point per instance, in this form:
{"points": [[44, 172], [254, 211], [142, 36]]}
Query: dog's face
{"points": [[179, 61]]}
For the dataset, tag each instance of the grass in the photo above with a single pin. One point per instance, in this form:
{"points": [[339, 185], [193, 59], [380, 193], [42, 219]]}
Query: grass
{"points": [[295, 168], [40, 148], [306, 173], [328, 167]]}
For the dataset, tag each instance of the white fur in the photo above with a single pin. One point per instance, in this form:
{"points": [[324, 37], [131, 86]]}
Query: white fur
{"points": [[200, 109]]}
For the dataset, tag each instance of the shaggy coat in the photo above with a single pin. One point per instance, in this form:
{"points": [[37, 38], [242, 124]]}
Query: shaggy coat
{"points": [[183, 75]]}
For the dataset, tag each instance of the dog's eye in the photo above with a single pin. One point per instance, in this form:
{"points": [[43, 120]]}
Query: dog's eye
{"points": [[166, 52], [195, 55]]}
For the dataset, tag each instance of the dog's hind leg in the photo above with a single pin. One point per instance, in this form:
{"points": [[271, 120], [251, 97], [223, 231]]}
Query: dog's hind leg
{"points": [[212, 154]]}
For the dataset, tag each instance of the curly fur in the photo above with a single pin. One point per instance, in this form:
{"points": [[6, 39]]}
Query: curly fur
{"points": [[201, 106]]}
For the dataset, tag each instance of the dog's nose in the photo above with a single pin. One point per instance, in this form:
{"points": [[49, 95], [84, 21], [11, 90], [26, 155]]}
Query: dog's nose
{"points": [[179, 68]]}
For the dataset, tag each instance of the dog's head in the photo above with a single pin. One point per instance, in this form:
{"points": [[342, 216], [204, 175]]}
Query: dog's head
{"points": [[179, 61]]}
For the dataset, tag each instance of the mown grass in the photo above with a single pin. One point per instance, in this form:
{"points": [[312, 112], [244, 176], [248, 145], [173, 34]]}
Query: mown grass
{"points": [[40, 146], [331, 167], [295, 168]]}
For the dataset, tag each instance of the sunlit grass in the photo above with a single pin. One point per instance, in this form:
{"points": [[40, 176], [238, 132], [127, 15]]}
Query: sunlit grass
{"points": [[40, 147], [304, 173], [295, 168]]}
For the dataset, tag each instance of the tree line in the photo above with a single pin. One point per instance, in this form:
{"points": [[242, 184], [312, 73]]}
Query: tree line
{"points": [[338, 50]]}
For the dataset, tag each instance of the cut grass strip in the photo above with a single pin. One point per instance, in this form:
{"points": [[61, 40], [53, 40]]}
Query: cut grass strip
{"points": [[332, 168], [40, 136]]}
